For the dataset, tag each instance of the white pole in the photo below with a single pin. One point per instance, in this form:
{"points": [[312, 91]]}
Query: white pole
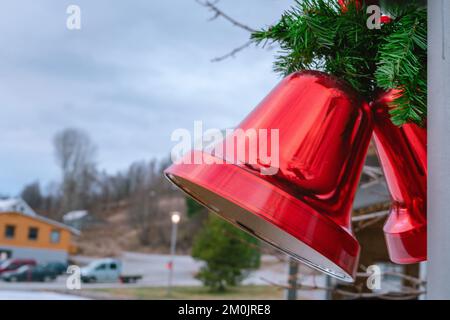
{"points": [[438, 268]]}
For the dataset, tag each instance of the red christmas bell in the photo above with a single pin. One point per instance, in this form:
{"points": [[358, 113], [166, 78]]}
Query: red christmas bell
{"points": [[301, 203], [345, 3], [402, 153]]}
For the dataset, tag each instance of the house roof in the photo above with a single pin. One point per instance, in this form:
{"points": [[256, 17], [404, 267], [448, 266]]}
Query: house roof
{"points": [[75, 215], [16, 205], [19, 206]]}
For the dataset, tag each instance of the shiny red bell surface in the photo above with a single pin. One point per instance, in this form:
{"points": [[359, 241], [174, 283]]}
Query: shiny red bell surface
{"points": [[402, 152], [301, 203]]}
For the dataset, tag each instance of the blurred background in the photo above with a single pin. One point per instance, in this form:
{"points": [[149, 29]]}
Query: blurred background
{"points": [[86, 120]]}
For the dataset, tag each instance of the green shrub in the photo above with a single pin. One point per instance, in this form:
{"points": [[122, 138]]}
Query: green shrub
{"points": [[229, 254]]}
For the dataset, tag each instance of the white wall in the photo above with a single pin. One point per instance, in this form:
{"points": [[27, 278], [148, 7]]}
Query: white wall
{"points": [[40, 255], [438, 267]]}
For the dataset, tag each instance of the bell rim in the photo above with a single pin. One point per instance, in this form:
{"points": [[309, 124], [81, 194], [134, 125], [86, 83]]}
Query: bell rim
{"points": [[403, 248], [342, 253]]}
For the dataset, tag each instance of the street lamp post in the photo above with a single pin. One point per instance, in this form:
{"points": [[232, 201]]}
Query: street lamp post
{"points": [[173, 242]]}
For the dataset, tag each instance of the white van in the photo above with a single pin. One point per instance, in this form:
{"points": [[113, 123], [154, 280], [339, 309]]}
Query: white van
{"points": [[103, 270], [106, 270]]}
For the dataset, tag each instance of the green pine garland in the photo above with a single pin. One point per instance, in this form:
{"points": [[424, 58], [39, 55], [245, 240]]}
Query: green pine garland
{"points": [[317, 35]]}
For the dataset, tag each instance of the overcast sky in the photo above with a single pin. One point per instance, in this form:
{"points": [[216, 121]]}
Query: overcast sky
{"points": [[136, 71]]}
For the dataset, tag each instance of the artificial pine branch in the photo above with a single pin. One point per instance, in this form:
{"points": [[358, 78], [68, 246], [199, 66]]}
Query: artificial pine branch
{"points": [[317, 35], [402, 64]]}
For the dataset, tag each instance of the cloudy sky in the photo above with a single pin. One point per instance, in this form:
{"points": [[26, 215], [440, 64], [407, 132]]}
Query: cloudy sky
{"points": [[136, 71]]}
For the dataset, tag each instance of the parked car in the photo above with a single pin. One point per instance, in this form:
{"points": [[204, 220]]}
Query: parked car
{"points": [[56, 267], [29, 273], [14, 264], [106, 270]]}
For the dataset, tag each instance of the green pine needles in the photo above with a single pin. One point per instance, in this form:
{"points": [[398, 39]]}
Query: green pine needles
{"points": [[317, 35]]}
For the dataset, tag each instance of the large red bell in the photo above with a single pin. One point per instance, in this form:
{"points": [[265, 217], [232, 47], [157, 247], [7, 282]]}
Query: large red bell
{"points": [[402, 152], [301, 203]]}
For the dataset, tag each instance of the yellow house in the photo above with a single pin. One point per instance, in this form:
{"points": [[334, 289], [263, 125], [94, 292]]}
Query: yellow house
{"points": [[25, 234]]}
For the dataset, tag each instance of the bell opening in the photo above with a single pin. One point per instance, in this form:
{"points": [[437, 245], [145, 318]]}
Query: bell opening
{"points": [[260, 228]]}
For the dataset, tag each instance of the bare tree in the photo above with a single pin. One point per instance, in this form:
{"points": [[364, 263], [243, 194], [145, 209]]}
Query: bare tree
{"points": [[32, 195], [212, 6], [144, 209], [75, 154]]}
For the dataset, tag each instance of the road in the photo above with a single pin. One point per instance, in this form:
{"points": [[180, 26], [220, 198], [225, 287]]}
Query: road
{"points": [[154, 271]]}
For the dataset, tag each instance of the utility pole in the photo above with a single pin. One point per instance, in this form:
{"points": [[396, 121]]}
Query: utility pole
{"points": [[438, 266], [291, 292]]}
